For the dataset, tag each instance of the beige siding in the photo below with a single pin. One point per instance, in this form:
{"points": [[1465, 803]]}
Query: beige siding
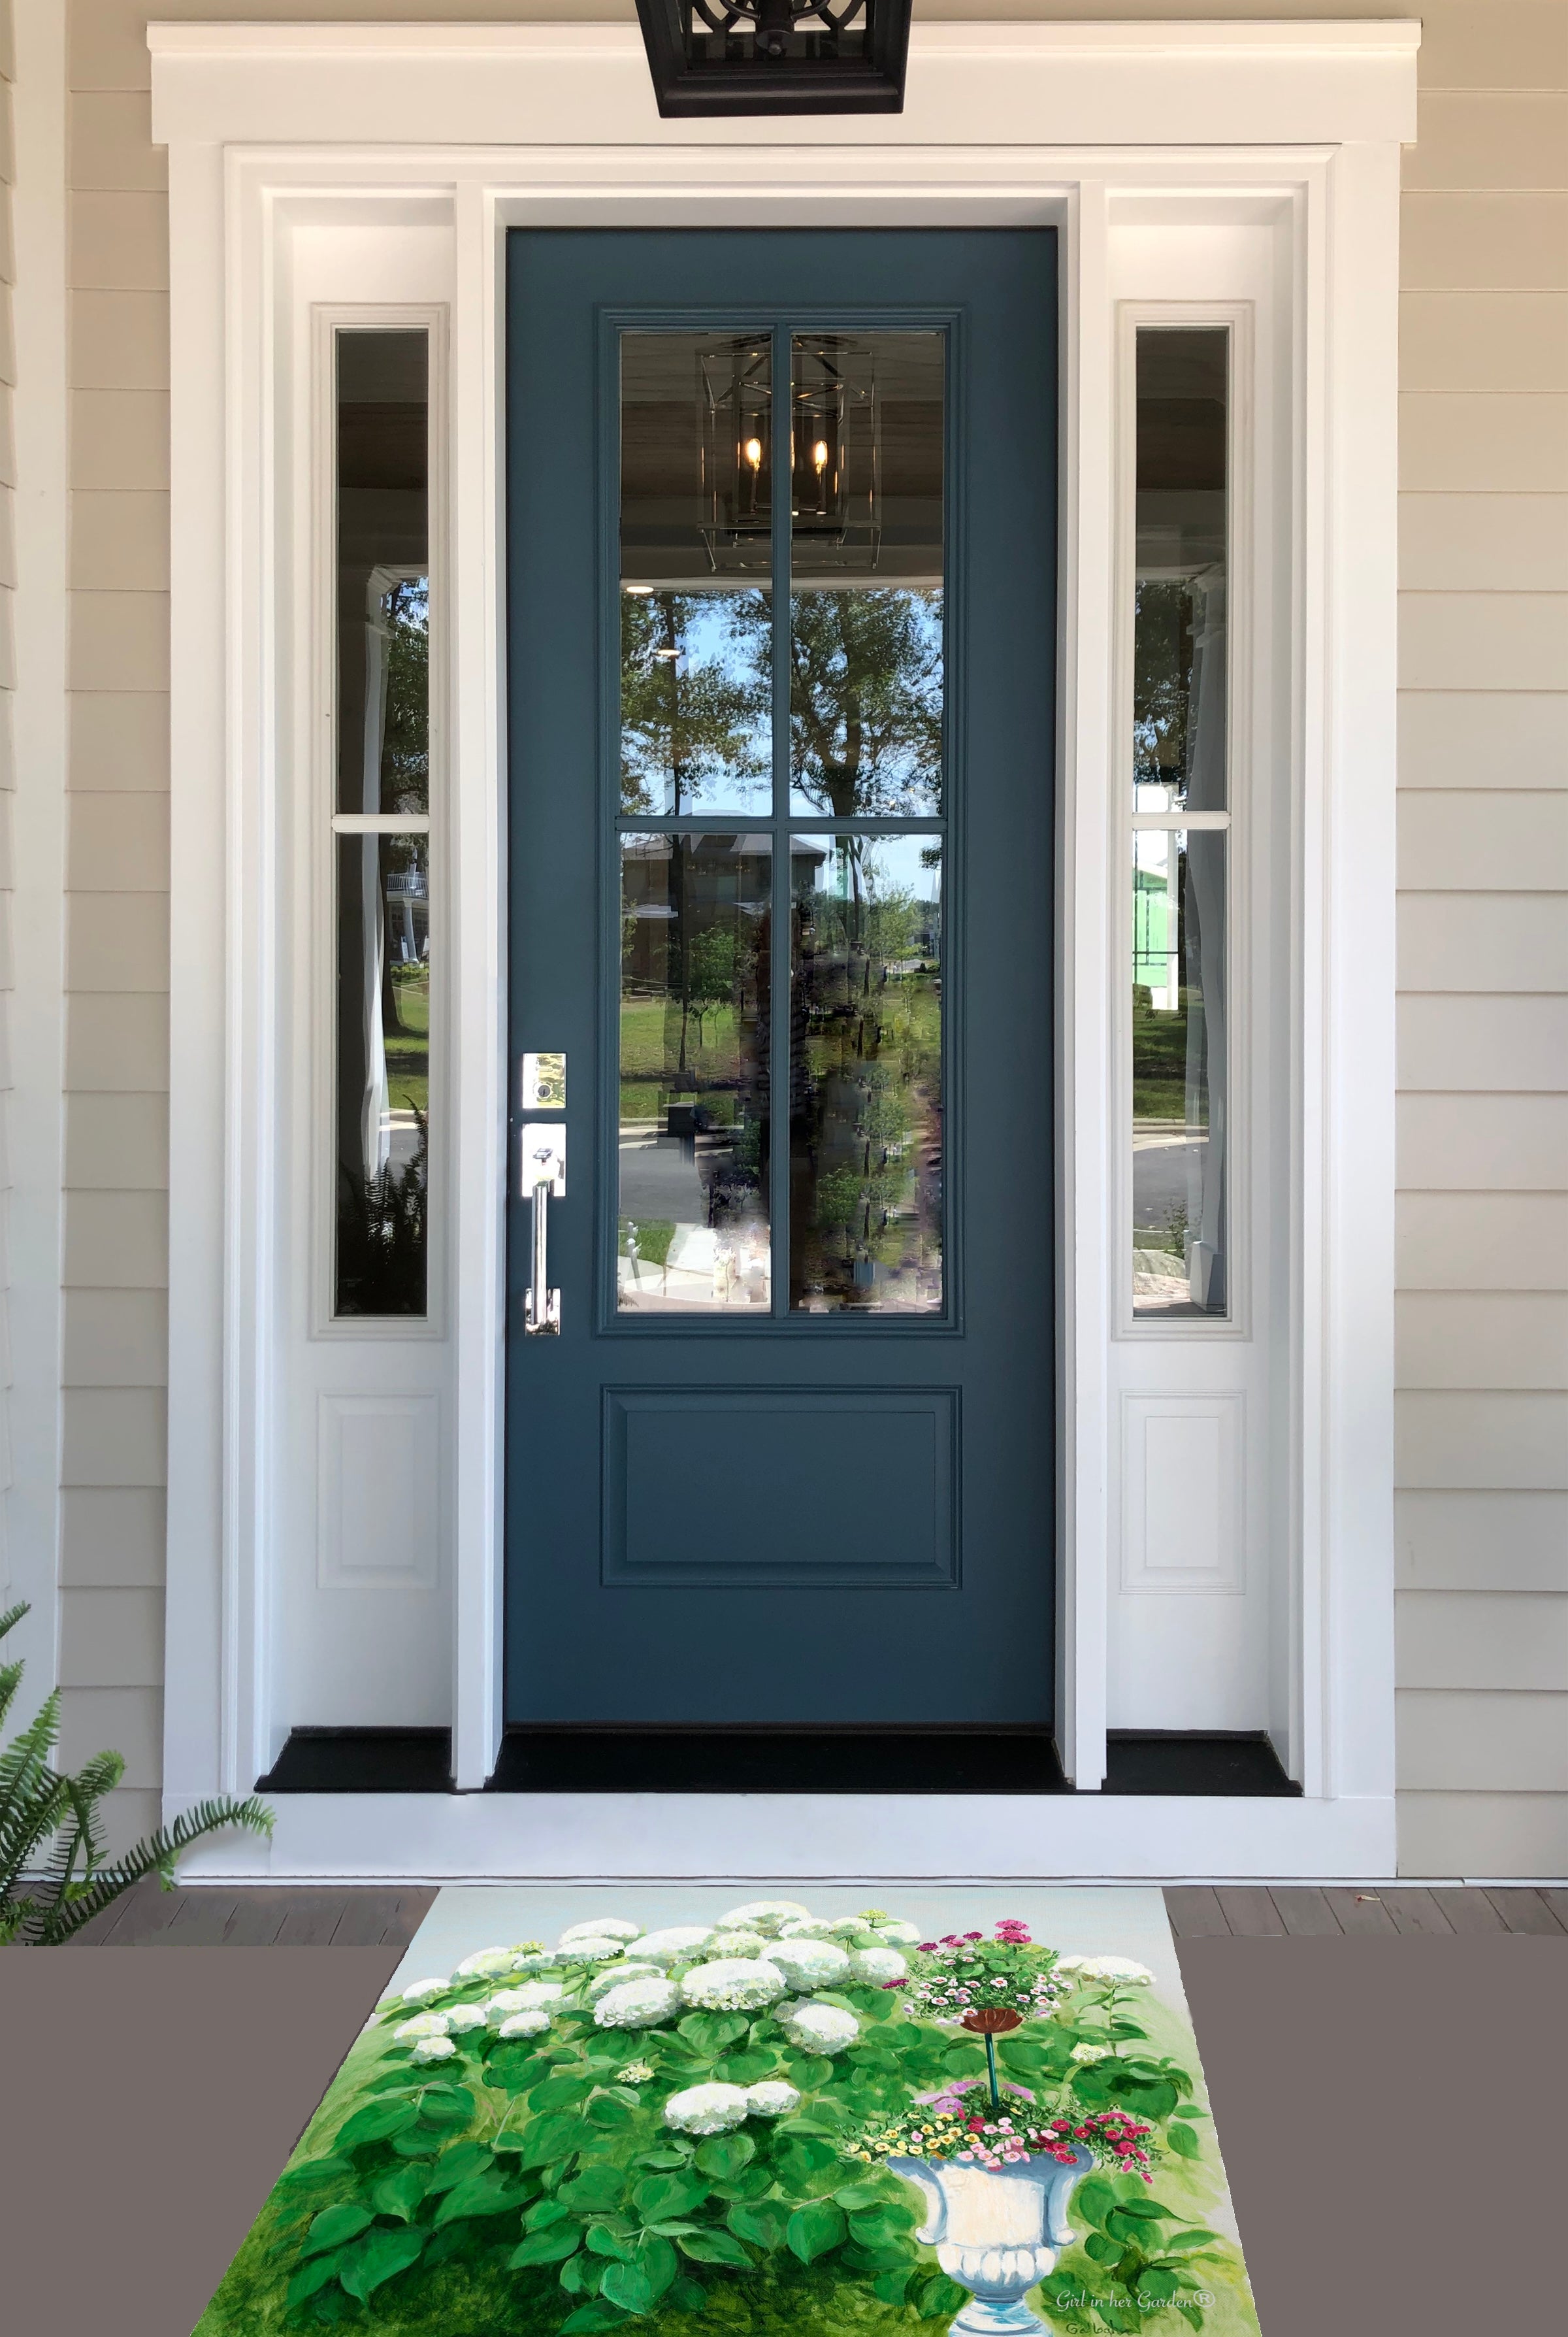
{"points": [[1482, 1530], [1483, 1160]]}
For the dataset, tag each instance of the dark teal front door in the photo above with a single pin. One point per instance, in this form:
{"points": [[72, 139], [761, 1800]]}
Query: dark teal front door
{"points": [[782, 558]]}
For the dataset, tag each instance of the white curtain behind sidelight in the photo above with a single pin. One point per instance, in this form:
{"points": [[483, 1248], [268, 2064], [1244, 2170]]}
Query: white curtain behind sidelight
{"points": [[374, 1120], [1202, 944]]}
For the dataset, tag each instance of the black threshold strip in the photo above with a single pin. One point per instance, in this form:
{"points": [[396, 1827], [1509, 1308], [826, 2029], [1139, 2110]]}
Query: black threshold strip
{"points": [[773, 1761], [362, 1761], [777, 1761]]}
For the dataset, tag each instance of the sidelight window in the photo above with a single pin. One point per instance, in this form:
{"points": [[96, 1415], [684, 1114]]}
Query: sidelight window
{"points": [[381, 822], [782, 823], [1181, 1169]]}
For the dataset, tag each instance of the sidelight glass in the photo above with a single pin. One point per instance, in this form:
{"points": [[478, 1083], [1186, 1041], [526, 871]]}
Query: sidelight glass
{"points": [[866, 543], [866, 1074], [693, 1219], [695, 572], [1180, 729], [381, 821]]}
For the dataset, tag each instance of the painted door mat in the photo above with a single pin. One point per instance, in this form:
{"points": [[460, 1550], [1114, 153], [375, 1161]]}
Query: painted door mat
{"points": [[747, 2111]]}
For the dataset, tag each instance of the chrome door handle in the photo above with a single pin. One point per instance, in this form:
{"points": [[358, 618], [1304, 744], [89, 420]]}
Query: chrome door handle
{"points": [[543, 1177]]}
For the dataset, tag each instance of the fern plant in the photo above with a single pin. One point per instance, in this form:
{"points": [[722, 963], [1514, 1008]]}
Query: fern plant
{"points": [[49, 1826]]}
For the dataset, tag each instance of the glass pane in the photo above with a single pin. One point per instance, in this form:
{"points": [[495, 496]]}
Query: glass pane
{"points": [[692, 1232], [866, 1075], [382, 571], [1179, 631], [866, 652], [383, 1072], [1178, 1088], [695, 564]]}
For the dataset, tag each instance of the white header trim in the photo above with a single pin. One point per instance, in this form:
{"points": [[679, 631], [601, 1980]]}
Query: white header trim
{"points": [[993, 85]]}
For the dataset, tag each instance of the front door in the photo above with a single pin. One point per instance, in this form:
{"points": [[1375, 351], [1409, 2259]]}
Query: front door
{"points": [[782, 560]]}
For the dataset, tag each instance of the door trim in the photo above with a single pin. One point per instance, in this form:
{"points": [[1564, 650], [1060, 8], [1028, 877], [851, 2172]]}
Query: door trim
{"points": [[1297, 125]]}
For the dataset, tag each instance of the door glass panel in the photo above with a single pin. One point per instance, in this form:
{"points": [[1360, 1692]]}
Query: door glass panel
{"points": [[1179, 1100], [866, 646], [866, 1074], [1179, 725], [693, 1219], [382, 571], [1180, 1097], [696, 567], [383, 1072]]}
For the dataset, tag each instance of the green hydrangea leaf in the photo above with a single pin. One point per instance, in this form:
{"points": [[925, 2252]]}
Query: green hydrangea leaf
{"points": [[377, 2258], [815, 2228], [333, 2227]]}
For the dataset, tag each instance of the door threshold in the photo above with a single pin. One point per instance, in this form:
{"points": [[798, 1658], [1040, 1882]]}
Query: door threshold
{"points": [[1193, 1763], [543, 1760]]}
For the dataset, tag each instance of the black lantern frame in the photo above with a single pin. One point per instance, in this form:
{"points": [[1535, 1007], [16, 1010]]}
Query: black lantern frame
{"points": [[777, 56]]}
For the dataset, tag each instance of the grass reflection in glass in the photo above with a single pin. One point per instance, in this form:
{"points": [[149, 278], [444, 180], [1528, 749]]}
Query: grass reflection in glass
{"points": [[692, 1230]]}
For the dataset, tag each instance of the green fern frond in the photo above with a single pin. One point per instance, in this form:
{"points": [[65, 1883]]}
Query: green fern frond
{"points": [[54, 1817], [159, 1852], [13, 1615]]}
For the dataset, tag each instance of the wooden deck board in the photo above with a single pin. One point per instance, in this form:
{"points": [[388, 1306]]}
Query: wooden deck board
{"points": [[1528, 1911], [1307, 1914], [1358, 1912], [1469, 1911], [1195, 1912], [1416, 1910], [1250, 1911]]}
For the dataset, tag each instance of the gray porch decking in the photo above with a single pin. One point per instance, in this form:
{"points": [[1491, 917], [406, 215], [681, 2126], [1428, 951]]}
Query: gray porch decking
{"points": [[214, 1915]]}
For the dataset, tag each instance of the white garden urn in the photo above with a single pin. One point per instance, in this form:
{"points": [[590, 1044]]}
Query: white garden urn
{"points": [[996, 2232]]}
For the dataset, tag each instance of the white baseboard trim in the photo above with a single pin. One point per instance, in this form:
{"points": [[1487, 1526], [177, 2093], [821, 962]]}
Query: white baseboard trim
{"points": [[1047, 1837]]}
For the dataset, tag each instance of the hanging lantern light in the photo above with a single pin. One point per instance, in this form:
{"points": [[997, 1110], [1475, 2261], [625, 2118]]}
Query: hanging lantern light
{"points": [[777, 56]]}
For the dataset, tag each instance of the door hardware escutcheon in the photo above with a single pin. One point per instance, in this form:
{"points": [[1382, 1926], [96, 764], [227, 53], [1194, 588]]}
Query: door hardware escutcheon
{"points": [[544, 1080], [543, 1179]]}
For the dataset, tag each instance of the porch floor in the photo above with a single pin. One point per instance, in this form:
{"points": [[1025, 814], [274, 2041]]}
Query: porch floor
{"points": [[230, 1915]]}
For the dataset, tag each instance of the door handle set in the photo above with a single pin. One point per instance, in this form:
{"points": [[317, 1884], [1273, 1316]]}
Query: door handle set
{"points": [[543, 1180]]}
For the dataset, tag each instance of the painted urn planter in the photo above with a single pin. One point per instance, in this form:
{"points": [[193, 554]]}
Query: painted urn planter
{"points": [[996, 2232]]}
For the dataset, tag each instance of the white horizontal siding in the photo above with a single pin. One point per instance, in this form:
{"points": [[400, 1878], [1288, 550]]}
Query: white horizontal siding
{"points": [[1482, 1639], [1482, 1339], [1482, 1741]]}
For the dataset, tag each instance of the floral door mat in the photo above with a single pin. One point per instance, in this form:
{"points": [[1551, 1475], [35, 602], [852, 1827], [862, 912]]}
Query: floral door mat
{"points": [[745, 2112]]}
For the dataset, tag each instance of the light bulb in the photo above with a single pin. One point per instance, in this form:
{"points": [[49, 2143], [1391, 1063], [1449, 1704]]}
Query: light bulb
{"points": [[753, 452], [820, 455]]}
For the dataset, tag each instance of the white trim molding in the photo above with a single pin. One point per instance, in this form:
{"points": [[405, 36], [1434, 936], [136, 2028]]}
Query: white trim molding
{"points": [[273, 129]]}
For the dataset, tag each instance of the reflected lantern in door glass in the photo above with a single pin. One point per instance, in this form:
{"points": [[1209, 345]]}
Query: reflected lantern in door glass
{"points": [[695, 572], [692, 1233], [867, 656], [866, 1075]]}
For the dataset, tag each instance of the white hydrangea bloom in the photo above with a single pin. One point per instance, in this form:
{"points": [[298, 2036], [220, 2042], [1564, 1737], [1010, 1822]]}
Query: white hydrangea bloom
{"points": [[764, 1915], [878, 1965], [736, 1943], [637, 2003], [534, 1956], [490, 1963], [1121, 1968], [434, 2048], [1090, 2052], [898, 1933], [707, 2110], [465, 2017], [591, 1952], [606, 1927], [611, 1975], [527, 1996], [423, 1989], [533, 2022], [811, 1963], [818, 2028], [771, 2099], [676, 1945], [423, 2024], [734, 1984], [806, 1927]]}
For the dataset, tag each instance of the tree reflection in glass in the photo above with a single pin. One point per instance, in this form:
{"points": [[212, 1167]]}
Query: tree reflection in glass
{"points": [[865, 1086]]}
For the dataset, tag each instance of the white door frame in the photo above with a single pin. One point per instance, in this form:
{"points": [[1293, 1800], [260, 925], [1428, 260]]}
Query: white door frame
{"points": [[480, 127]]}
